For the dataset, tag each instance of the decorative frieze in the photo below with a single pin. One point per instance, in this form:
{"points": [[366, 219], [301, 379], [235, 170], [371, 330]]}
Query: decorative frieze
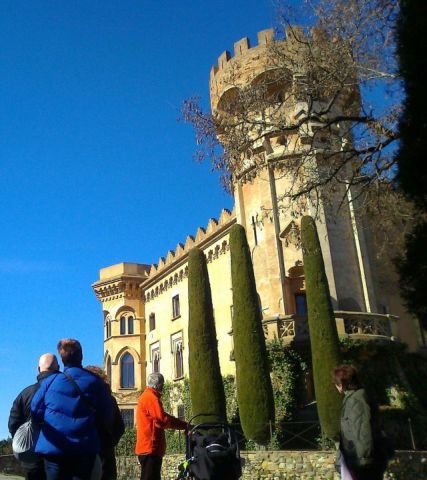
{"points": [[118, 288], [177, 276]]}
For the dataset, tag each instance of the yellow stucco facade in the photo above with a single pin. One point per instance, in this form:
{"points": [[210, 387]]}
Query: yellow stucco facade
{"points": [[145, 307]]}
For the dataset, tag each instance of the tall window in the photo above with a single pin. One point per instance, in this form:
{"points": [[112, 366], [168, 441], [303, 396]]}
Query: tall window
{"points": [[127, 322], [107, 326], [175, 306], [177, 353], [152, 321], [155, 357], [108, 368], [130, 325], [301, 304], [181, 412], [127, 415], [122, 325], [127, 371]]}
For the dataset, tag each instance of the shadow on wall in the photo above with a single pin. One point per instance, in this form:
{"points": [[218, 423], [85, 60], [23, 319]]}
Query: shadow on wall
{"points": [[349, 304]]}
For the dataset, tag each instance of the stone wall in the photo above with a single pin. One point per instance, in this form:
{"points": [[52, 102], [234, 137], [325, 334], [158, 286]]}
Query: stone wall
{"points": [[301, 465], [10, 466], [266, 465]]}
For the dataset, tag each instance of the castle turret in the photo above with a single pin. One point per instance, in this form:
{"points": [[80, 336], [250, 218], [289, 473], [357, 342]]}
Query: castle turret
{"points": [[119, 291], [268, 81]]}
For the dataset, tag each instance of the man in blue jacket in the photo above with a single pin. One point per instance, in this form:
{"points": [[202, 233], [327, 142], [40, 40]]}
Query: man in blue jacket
{"points": [[69, 405]]}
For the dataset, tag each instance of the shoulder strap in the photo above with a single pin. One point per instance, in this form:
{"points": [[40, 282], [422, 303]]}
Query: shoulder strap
{"points": [[78, 390]]}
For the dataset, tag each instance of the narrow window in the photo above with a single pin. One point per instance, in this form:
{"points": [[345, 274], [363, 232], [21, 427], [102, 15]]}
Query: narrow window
{"points": [[130, 325], [152, 321], [301, 304], [127, 371], [156, 361], [128, 417], [175, 306], [122, 326], [107, 326], [181, 412], [155, 357], [109, 369], [254, 230], [178, 357]]}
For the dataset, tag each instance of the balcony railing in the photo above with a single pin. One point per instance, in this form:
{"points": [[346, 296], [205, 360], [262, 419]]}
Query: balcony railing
{"points": [[357, 325]]}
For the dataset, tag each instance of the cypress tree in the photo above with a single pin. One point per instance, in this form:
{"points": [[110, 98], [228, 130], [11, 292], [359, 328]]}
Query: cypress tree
{"points": [[253, 383], [206, 387], [411, 158], [325, 349]]}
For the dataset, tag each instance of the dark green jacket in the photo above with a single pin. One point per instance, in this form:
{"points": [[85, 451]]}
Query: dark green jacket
{"points": [[357, 443]]}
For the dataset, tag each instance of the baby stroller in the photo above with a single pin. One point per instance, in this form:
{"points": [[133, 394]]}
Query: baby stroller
{"points": [[212, 451]]}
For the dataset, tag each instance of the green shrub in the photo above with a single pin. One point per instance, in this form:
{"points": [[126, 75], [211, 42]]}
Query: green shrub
{"points": [[206, 388], [287, 377], [415, 368], [126, 445], [325, 349], [6, 446], [254, 390]]}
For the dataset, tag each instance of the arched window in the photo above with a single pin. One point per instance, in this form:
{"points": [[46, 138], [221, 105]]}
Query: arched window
{"points": [[155, 357], [130, 325], [107, 326], [108, 368], [122, 325], [179, 361], [156, 362], [127, 372]]}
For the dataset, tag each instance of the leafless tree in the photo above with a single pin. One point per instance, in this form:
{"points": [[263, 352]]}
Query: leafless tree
{"points": [[328, 107]]}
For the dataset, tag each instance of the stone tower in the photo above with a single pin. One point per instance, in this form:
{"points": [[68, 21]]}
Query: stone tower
{"points": [[272, 227], [119, 291]]}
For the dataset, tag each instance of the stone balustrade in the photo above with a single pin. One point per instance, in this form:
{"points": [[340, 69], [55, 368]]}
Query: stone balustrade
{"points": [[356, 325]]}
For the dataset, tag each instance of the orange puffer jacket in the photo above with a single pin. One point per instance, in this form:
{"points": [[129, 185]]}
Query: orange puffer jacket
{"points": [[151, 421]]}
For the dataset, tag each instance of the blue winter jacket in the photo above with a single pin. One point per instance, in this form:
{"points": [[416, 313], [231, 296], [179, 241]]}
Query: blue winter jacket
{"points": [[68, 423]]}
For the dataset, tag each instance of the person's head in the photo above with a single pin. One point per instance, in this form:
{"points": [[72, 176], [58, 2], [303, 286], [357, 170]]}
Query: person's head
{"points": [[156, 381], [70, 351], [346, 378], [48, 363], [99, 372]]}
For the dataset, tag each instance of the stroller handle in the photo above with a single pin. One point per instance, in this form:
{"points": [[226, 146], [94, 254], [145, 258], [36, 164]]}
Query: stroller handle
{"points": [[206, 415]]}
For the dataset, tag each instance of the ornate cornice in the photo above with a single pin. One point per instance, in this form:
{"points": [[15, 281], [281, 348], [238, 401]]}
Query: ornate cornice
{"points": [[122, 286], [205, 239]]}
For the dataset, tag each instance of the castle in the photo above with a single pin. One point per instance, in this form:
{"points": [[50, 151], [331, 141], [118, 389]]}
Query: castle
{"points": [[145, 307]]}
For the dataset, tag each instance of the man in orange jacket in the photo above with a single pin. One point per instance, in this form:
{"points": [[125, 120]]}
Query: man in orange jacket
{"points": [[151, 421]]}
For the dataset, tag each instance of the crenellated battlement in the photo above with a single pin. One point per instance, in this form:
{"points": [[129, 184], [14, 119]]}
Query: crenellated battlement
{"points": [[241, 47], [249, 62], [202, 236]]}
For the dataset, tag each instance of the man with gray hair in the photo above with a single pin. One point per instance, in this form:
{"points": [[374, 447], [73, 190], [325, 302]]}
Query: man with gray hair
{"points": [[151, 422], [21, 411]]}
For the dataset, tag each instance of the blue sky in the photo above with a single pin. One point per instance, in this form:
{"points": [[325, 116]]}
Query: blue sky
{"points": [[95, 169]]}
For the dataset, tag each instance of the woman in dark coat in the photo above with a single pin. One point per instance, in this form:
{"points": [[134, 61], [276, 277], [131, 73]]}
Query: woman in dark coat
{"points": [[360, 433], [109, 433]]}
